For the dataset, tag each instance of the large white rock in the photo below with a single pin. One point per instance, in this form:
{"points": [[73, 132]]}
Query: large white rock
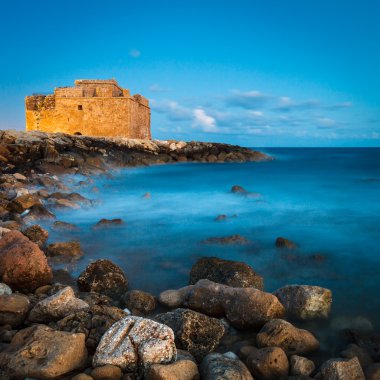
{"points": [[135, 343]]}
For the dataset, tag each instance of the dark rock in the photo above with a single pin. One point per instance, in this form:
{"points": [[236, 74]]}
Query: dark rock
{"points": [[362, 354], [139, 302], [236, 189], [300, 366], [232, 273], [105, 277], [341, 369], [285, 243], [108, 223], [23, 265], [227, 240], [38, 212], [194, 332], [220, 367], [36, 234], [221, 218], [65, 250], [13, 309], [63, 226], [373, 372]]}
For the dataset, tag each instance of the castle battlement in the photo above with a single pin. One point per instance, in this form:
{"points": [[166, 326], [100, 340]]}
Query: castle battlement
{"points": [[94, 107]]}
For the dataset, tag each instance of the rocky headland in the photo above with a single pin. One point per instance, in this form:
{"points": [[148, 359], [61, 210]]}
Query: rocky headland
{"points": [[223, 325]]}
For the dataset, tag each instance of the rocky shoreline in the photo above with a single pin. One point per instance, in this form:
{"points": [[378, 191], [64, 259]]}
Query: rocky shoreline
{"points": [[223, 325]]}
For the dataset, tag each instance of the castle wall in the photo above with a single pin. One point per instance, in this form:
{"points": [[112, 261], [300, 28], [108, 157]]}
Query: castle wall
{"points": [[92, 107]]}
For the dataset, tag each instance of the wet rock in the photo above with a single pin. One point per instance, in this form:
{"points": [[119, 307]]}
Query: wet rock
{"points": [[280, 333], [236, 189], [179, 370], [63, 226], [341, 369], [5, 289], [23, 265], [108, 223], [301, 366], [82, 376], [66, 203], [105, 277], [92, 322], [219, 367], [353, 350], [38, 212], [70, 250], [107, 372], [373, 372], [227, 240], [147, 196], [13, 309], [268, 363], [221, 218], [304, 301], [31, 353], [282, 242], [36, 234], [194, 332], [57, 306], [23, 202], [243, 307], [139, 302], [134, 344], [232, 273]]}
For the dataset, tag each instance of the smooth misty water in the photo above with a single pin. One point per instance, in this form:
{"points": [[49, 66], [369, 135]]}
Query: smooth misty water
{"points": [[326, 200]]}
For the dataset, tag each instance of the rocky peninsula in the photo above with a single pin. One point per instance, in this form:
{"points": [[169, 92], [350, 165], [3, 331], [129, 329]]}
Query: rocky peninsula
{"points": [[223, 325]]}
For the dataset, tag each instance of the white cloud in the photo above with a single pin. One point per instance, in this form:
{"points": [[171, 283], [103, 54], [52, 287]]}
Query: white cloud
{"points": [[134, 53], [207, 122]]}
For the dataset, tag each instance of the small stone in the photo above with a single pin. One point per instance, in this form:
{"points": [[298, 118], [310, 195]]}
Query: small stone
{"points": [[107, 372], [268, 363], [218, 367], [342, 369], [65, 250], [43, 353], [105, 277], [5, 289], [304, 301], [194, 332], [147, 196], [180, 370], [285, 243], [221, 218], [301, 366], [19, 177], [139, 302], [134, 344], [362, 354], [36, 234], [227, 240], [57, 306], [280, 333], [82, 376], [108, 223], [13, 309], [236, 189], [64, 226]]}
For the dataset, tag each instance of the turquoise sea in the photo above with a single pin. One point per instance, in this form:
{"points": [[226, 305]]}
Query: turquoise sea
{"points": [[326, 200]]}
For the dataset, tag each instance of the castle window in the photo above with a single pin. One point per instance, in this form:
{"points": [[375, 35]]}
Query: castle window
{"points": [[80, 107]]}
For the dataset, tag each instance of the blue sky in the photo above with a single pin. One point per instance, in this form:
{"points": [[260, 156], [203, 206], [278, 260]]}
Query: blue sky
{"points": [[257, 73]]}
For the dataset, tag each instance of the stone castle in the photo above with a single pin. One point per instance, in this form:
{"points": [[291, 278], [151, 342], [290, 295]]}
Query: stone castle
{"points": [[91, 107]]}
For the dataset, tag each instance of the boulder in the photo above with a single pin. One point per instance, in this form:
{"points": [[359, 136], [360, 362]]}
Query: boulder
{"points": [[57, 306], [300, 366], [65, 250], [353, 350], [43, 353], [13, 309], [221, 367], [179, 370], [92, 322], [304, 301], [105, 277], [23, 265], [38, 212], [63, 226], [282, 242], [243, 307], [36, 234], [280, 333], [341, 369], [139, 302], [268, 363], [23, 202], [232, 273], [194, 332], [107, 372], [134, 344]]}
